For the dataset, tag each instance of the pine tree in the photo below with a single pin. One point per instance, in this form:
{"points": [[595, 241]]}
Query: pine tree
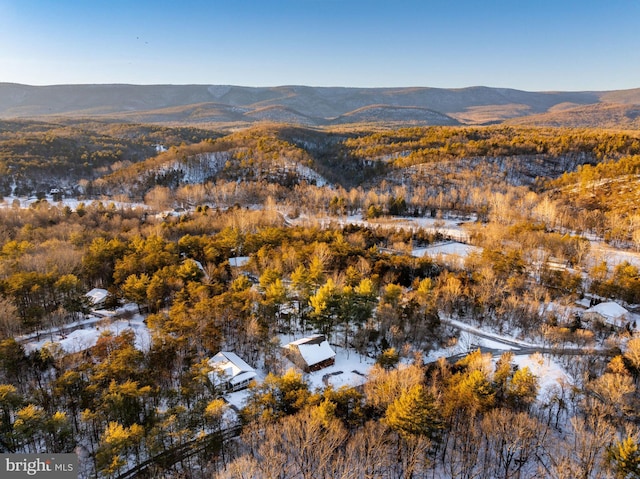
{"points": [[415, 413], [624, 456], [522, 390]]}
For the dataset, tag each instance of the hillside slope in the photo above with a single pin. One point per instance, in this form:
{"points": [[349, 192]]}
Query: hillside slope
{"points": [[602, 115], [293, 104]]}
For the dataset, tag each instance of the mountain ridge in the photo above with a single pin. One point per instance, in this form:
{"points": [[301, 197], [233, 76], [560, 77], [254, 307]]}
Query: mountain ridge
{"points": [[319, 106]]}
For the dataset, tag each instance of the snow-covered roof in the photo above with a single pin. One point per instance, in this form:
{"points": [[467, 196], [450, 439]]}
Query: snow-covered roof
{"points": [[313, 349], [234, 368], [609, 309], [97, 295]]}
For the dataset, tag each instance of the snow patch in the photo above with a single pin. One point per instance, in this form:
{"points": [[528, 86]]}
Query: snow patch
{"points": [[86, 336], [549, 373]]}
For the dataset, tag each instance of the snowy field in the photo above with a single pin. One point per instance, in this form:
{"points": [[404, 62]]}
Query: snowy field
{"points": [[448, 227], [451, 253]]}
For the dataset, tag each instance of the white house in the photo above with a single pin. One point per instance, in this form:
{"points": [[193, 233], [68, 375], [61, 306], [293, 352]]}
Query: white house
{"points": [[230, 372], [311, 354], [97, 297], [610, 313]]}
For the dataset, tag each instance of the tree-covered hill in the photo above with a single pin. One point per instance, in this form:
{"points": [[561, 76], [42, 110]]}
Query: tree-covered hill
{"points": [[36, 156], [602, 115], [358, 156], [233, 105]]}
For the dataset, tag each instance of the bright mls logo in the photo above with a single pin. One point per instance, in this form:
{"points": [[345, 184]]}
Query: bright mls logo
{"points": [[49, 466]]}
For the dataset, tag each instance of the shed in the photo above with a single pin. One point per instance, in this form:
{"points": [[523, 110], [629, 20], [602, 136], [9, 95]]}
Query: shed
{"points": [[311, 353]]}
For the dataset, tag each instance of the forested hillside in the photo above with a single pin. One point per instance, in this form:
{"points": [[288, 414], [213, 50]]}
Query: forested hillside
{"points": [[487, 364], [37, 156], [416, 171]]}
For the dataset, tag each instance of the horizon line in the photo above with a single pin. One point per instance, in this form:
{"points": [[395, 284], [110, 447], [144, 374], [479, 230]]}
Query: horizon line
{"points": [[409, 87]]}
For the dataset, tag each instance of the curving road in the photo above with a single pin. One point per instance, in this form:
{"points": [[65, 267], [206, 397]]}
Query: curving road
{"points": [[518, 347]]}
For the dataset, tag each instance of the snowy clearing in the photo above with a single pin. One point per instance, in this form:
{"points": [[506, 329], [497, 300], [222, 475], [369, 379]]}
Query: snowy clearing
{"points": [[87, 334], [446, 249], [549, 373], [602, 252], [350, 369], [451, 228]]}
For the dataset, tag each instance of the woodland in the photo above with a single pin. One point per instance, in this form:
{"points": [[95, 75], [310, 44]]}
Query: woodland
{"points": [[153, 215]]}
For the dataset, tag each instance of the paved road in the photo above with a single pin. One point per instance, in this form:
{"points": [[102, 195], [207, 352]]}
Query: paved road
{"points": [[518, 347]]}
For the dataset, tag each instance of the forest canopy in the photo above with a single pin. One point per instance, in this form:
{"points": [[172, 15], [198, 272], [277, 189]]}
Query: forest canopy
{"points": [[242, 241]]}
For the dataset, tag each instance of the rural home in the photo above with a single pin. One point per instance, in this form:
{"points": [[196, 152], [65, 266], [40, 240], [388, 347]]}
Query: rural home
{"points": [[230, 372], [311, 354], [97, 297], [609, 313]]}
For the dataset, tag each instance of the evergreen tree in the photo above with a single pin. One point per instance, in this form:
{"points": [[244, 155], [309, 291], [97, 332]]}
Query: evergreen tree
{"points": [[624, 457], [415, 412]]}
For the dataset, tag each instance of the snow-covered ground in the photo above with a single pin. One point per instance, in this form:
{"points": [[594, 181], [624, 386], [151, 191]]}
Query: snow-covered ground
{"points": [[484, 335], [468, 342], [446, 249], [73, 203], [238, 261], [452, 253], [602, 252], [308, 174], [451, 228], [549, 373], [237, 399], [89, 331], [350, 369]]}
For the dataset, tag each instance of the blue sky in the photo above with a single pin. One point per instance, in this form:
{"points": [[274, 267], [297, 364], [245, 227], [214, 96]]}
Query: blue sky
{"points": [[530, 45]]}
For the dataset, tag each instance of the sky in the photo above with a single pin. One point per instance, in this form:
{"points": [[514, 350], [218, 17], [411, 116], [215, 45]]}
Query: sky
{"points": [[540, 45]]}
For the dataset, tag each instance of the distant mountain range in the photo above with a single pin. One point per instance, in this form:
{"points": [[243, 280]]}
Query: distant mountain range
{"points": [[322, 106]]}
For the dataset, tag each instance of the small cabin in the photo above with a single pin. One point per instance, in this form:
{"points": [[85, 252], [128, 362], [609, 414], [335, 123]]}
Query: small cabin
{"points": [[311, 354], [97, 297]]}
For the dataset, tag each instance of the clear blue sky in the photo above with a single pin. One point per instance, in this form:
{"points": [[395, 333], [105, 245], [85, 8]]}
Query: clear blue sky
{"points": [[525, 44]]}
